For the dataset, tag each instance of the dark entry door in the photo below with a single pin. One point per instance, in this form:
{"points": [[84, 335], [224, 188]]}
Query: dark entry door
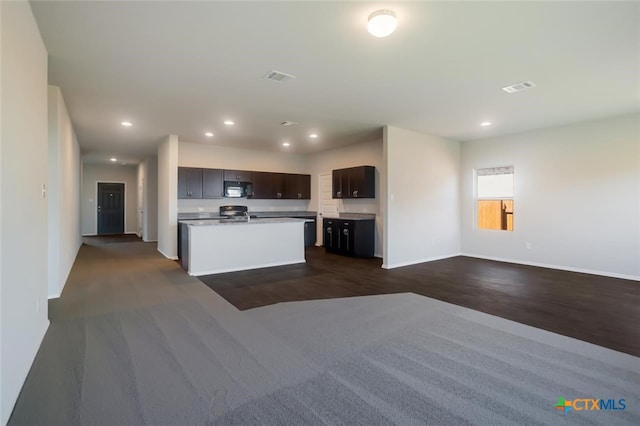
{"points": [[110, 208]]}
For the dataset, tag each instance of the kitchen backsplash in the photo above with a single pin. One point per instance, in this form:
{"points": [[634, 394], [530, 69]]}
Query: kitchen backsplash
{"points": [[349, 206], [358, 206], [192, 206]]}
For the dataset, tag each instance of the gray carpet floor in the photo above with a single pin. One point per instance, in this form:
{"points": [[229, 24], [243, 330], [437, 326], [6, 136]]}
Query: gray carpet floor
{"points": [[134, 340]]}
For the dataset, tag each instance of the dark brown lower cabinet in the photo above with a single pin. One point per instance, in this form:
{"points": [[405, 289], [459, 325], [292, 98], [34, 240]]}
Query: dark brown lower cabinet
{"points": [[349, 237]]}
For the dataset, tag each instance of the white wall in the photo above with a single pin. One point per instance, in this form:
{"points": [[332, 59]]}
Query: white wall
{"points": [[168, 197], [141, 177], [422, 187], [64, 193], [94, 173], [219, 157], [23, 171], [150, 204], [362, 154], [577, 194]]}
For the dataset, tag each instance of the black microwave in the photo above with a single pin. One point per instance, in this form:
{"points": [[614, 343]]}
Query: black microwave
{"points": [[237, 189]]}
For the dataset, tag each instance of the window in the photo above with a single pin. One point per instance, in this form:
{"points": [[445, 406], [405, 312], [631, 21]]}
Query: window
{"points": [[494, 198]]}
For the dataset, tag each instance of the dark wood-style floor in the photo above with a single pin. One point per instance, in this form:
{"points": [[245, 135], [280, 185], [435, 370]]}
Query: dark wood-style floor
{"points": [[600, 310]]}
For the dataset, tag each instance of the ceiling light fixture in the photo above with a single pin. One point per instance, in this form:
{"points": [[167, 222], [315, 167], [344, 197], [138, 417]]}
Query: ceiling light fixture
{"points": [[114, 159], [209, 134], [126, 124], [382, 23], [229, 122], [286, 144], [485, 123], [519, 86], [313, 135]]}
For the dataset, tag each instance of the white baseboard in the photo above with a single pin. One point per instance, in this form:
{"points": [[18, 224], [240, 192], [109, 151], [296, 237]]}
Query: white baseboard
{"points": [[149, 241], [558, 267], [167, 256], [416, 261]]}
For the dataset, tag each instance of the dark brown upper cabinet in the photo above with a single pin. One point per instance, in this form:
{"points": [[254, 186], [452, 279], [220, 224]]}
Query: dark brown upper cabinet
{"points": [[189, 182], [212, 183], [262, 185], [237, 176], [354, 182], [297, 187], [340, 183], [276, 186]]}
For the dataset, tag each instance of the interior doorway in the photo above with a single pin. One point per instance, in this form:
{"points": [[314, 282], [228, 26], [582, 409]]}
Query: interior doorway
{"points": [[327, 205], [110, 208]]}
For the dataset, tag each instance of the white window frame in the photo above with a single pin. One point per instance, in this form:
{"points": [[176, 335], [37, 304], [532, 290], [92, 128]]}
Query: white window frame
{"points": [[483, 171]]}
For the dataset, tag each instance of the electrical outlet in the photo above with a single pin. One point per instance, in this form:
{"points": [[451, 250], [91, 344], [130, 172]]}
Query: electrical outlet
{"points": [[200, 209], [527, 245]]}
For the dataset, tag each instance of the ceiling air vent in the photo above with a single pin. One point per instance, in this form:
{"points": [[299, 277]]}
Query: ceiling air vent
{"points": [[288, 123], [519, 86], [278, 76]]}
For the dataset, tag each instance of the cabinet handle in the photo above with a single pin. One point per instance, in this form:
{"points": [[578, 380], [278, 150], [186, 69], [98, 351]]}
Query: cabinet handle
{"points": [[339, 193], [299, 195], [355, 194]]}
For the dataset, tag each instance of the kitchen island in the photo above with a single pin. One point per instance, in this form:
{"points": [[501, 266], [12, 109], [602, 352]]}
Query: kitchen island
{"points": [[217, 246]]}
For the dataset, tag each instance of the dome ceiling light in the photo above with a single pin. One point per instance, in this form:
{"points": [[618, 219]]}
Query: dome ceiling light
{"points": [[382, 23]]}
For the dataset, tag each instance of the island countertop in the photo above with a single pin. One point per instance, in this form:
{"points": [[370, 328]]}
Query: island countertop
{"points": [[351, 216], [253, 221], [258, 214]]}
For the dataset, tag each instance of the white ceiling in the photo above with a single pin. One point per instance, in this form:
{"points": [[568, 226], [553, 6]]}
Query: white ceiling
{"points": [[183, 67]]}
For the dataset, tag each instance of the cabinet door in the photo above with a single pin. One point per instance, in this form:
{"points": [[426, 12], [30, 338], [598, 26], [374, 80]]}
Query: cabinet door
{"points": [[212, 183], [183, 182], [237, 175], [195, 183], [346, 237], [261, 185], [338, 181], [277, 185], [297, 187], [189, 182], [330, 237], [362, 182]]}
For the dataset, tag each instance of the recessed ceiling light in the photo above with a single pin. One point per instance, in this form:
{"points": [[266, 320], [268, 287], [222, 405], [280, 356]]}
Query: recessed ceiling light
{"points": [[126, 124], [114, 159], [286, 144], [229, 122], [313, 135], [382, 23], [209, 134], [485, 123]]}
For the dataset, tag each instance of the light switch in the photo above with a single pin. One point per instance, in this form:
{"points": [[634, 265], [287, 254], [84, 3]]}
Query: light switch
{"points": [[44, 191]]}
